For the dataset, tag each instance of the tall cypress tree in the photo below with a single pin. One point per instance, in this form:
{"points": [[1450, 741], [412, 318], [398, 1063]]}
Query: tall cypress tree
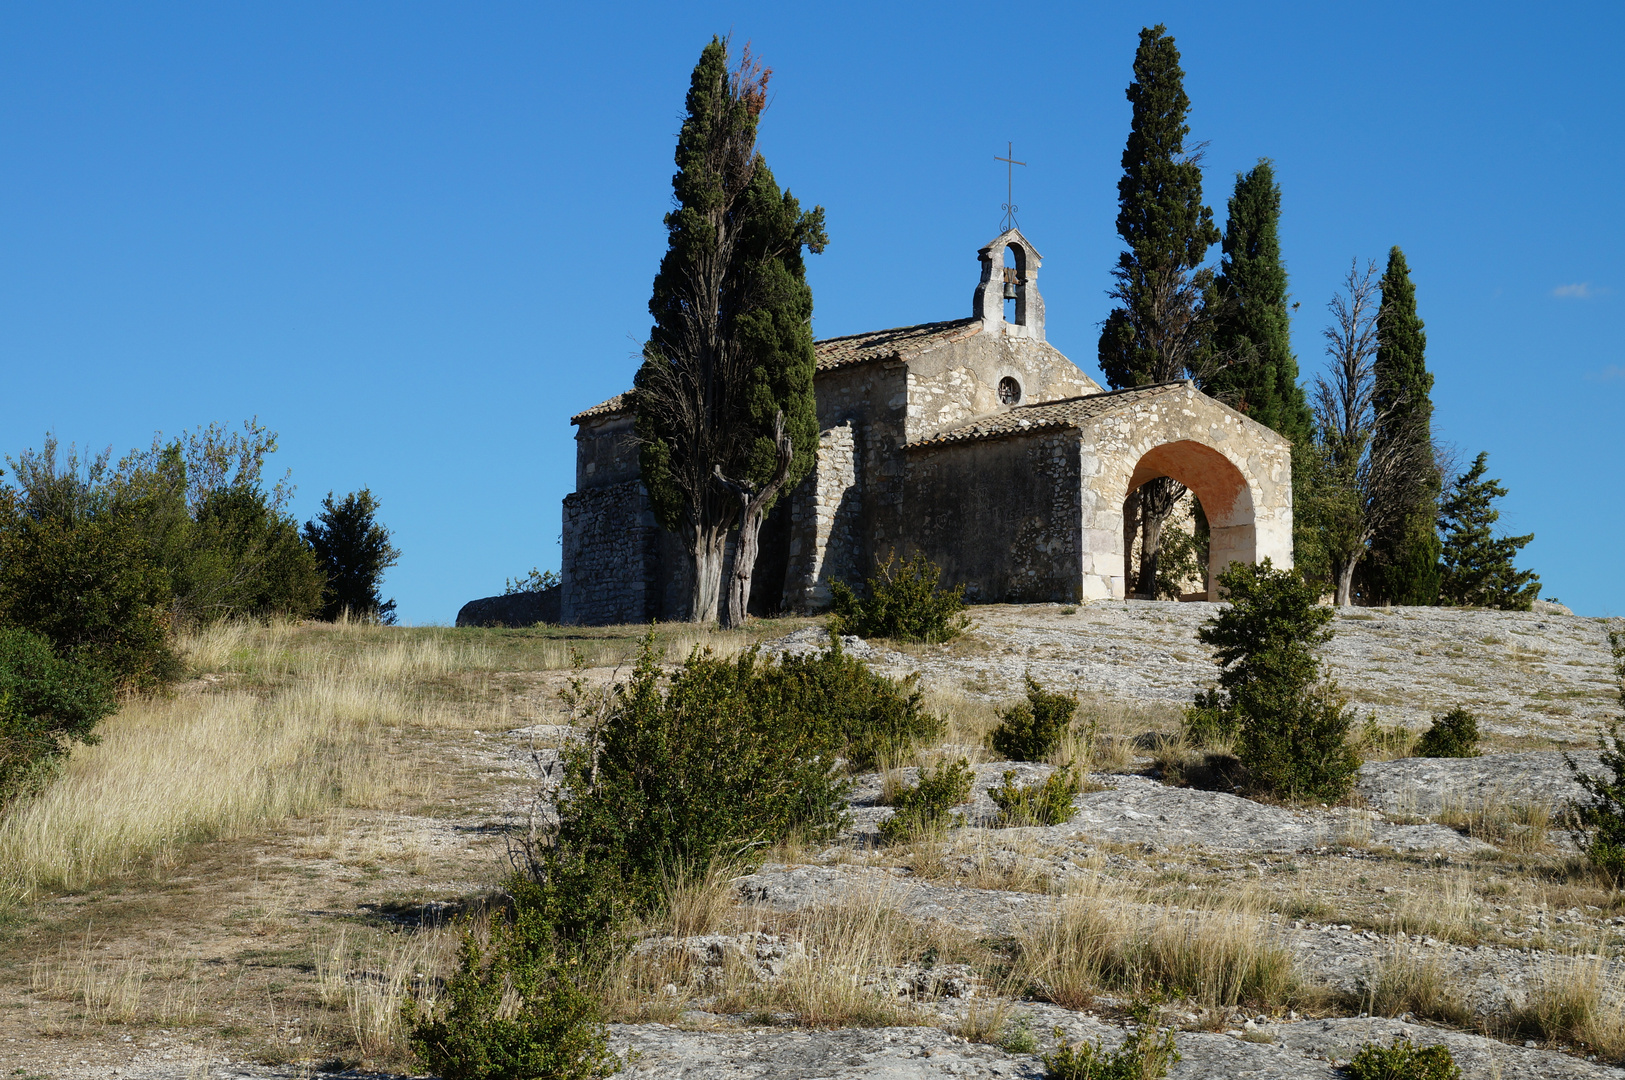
{"points": [[685, 396], [1160, 214], [777, 430], [1403, 567], [1157, 329], [1252, 330]]}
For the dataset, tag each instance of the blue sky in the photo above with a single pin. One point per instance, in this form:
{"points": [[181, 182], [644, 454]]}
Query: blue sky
{"points": [[415, 238]]}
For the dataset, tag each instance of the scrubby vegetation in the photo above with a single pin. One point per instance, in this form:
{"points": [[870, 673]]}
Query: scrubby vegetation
{"points": [[1600, 817], [1147, 1054], [924, 808], [1048, 802], [904, 602], [1290, 727], [1031, 730], [1403, 1061], [1455, 734], [46, 704]]}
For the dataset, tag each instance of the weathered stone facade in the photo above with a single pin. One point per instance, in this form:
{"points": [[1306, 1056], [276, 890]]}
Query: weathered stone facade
{"points": [[974, 441]]}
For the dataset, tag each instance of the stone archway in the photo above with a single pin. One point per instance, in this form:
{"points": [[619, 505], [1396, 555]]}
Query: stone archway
{"points": [[1223, 491], [1239, 469]]}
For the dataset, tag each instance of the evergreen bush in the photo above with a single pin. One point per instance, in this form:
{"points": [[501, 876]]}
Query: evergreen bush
{"points": [[46, 704], [353, 550], [905, 603], [718, 765], [924, 808], [1046, 803], [1599, 819], [1147, 1054], [1476, 565], [1291, 727], [1455, 734], [513, 1011], [865, 714], [1030, 730], [1403, 1061]]}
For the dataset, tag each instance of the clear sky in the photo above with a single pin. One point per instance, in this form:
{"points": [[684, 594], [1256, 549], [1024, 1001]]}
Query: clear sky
{"points": [[415, 238]]}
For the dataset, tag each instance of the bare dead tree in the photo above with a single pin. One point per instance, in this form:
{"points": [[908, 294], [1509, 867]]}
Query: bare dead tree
{"points": [[1360, 479]]}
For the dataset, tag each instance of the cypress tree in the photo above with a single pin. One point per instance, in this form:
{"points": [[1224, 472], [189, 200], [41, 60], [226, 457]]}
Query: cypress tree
{"points": [[778, 429], [1160, 214], [684, 399], [1252, 330], [1403, 567], [1156, 331], [353, 550], [1477, 566]]}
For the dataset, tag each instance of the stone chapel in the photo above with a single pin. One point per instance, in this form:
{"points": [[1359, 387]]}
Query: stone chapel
{"points": [[974, 441]]}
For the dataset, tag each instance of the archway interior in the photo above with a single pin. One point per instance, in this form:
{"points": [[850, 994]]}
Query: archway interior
{"points": [[1015, 266], [1223, 492]]}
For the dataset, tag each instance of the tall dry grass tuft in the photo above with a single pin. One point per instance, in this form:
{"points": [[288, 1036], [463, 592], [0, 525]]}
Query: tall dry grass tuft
{"points": [[132, 990], [1522, 828], [371, 990], [1576, 999], [1217, 956], [1447, 910], [832, 983], [1409, 979]]}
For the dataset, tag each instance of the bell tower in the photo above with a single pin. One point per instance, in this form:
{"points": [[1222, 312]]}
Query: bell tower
{"points": [[1007, 300]]}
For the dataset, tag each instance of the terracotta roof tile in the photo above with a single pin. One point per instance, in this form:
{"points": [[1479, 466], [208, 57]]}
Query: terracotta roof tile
{"points": [[618, 403], [888, 344], [1048, 415]]}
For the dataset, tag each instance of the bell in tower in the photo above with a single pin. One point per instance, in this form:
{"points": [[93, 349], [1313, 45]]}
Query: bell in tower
{"points": [[1007, 300]]}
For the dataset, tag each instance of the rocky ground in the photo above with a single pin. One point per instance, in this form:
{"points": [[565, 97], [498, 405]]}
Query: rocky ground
{"points": [[1441, 864]]}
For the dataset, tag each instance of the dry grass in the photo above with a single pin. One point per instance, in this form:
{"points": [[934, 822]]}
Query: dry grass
{"points": [[204, 766], [1219, 955], [1410, 979], [1521, 828], [370, 988], [135, 989], [1448, 909], [1576, 1000]]}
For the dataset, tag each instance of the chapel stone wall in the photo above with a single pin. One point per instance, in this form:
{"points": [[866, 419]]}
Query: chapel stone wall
{"points": [[611, 559], [959, 381]]}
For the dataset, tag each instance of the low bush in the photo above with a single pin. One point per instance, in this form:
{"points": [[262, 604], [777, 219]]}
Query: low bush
{"points": [[1290, 726], [46, 704], [1147, 1054], [1599, 819], [904, 602], [1403, 1061], [512, 1012], [1455, 734], [718, 765], [924, 807], [1046, 803], [1030, 731], [867, 715]]}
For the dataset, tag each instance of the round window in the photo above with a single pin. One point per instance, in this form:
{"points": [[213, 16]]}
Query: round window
{"points": [[1009, 391]]}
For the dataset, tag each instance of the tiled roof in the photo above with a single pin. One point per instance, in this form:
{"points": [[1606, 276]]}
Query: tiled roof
{"points": [[888, 344], [1049, 415], [839, 352], [618, 403]]}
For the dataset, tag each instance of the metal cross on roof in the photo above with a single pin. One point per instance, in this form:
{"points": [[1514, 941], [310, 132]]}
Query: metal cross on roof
{"points": [[1009, 186]]}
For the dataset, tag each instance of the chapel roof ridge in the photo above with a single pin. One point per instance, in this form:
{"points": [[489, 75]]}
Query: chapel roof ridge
{"points": [[893, 342]]}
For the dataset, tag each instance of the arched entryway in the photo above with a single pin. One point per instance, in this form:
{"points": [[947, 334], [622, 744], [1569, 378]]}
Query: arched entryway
{"points": [[1223, 492]]}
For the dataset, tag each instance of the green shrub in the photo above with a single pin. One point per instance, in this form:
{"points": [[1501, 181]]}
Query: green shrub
{"points": [[1600, 819], [1147, 1054], [353, 550], [46, 703], [905, 603], [868, 716], [719, 764], [1045, 803], [1030, 730], [924, 807], [1455, 734], [76, 570], [1403, 1061], [513, 1012], [1291, 727]]}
